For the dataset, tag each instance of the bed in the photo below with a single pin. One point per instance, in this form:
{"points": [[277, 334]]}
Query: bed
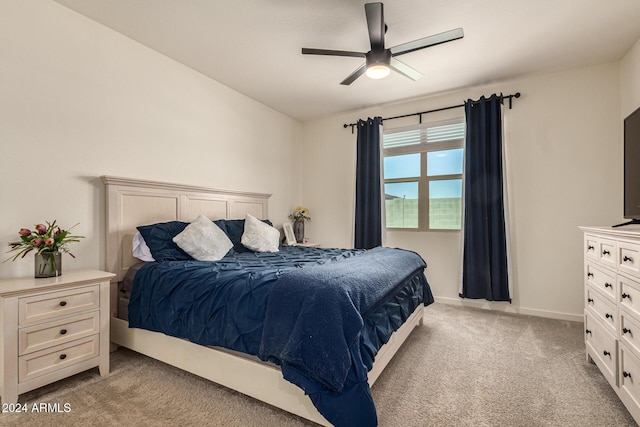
{"points": [[277, 345]]}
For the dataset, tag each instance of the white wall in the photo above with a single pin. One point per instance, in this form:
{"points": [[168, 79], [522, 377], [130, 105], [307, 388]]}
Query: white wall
{"points": [[564, 154], [630, 80], [78, 100]]}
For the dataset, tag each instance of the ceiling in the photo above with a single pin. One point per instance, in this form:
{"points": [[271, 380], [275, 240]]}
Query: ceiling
{"points": [[253, 46]]}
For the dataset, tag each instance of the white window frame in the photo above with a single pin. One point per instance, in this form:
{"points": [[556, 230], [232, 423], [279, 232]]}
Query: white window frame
{"points": [[423, 180]]}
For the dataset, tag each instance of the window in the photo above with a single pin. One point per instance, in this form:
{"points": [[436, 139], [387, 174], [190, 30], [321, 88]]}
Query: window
{"points": [[423, 176]]}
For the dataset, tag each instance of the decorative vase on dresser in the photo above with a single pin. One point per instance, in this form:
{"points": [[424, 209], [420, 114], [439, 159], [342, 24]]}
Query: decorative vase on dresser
{"points": [[612, 308], [52, 328], [48, 264]]}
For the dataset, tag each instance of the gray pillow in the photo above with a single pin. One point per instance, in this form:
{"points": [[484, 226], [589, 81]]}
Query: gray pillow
{"points": [[258, 236], [203, 240]]}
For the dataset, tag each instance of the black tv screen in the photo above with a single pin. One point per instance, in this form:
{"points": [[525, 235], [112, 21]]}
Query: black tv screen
{"points": [[632, 166]]}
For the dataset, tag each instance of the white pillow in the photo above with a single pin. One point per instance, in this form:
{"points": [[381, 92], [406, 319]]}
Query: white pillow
{"points": [[140, 248], [259, 236], [203, 240]]}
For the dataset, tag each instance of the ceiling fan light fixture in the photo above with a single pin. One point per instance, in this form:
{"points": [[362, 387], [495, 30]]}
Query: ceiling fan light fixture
{"points": [[378, 71], [378, 64]]}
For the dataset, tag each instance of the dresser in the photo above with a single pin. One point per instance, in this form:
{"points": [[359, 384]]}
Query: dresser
{"points": [[612, 308], [52, 328]]}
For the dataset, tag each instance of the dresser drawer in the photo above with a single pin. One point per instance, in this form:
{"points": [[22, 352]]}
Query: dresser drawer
{"points": [[602, 309], [38, 337], [591, 247], [629, 258], [629, 294], [602, 280], [601, 250], [629, 377], [602, 346], [630, 331], [50, 305], [52, 359]]}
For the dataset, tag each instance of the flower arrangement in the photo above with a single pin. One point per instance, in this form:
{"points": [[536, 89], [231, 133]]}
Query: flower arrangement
{"points": [[300, 214], [44, 238]]}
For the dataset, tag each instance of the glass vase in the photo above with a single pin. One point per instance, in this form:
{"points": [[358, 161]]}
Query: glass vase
{"points": [[298, 231], [48, 264]]}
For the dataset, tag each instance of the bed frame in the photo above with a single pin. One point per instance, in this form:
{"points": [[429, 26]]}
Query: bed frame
{"points": [[132, 202]]}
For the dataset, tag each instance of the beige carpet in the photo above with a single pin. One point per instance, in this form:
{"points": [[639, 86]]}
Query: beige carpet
{"points": [[463, 367]]}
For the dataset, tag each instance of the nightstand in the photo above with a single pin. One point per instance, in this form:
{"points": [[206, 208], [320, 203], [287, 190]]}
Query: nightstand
{"points": [[52, 328]]}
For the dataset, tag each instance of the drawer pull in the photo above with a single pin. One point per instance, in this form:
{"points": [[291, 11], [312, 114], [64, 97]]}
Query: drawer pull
{"points": [[588, 331], [624, 295], [627, 258], [626, 331], [63, 303], [608, 316], [63, 356], [63, 331], [626, 374], [606, 252], [589, 300], [606, 353], [608, 285], [589, 274], [590, 248]]}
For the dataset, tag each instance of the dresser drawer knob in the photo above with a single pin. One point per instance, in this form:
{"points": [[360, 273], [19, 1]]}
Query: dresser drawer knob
{"points": [[588, 331], [63, 331], [589, 274], [625, 295], [627, 258], [63, 303], [626, 331], [608, 316], [608, 285], [589, 300], [606, 252], [626, 374], [63, 356], [606, 353], [590, 248]]}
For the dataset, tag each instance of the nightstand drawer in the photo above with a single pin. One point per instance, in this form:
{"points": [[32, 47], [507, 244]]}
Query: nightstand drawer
{"points": [[52, 359], [38, 337], [50, 305]]}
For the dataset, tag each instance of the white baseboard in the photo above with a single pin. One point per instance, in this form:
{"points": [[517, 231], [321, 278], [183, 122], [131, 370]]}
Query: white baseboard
{"points": [[510, 308]]}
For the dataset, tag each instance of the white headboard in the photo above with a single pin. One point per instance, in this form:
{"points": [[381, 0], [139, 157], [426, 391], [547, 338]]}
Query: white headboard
{"points": [[134, 202]]}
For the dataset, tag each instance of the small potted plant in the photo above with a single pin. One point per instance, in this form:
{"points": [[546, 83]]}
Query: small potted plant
{"points": [[299, 216], [49, 242]]}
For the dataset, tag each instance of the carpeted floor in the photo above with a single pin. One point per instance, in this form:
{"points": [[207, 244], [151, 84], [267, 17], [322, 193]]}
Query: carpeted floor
{"points": [[463, 367]]}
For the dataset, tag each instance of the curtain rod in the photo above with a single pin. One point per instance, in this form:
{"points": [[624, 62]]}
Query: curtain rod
{"points": [[502, 98]]}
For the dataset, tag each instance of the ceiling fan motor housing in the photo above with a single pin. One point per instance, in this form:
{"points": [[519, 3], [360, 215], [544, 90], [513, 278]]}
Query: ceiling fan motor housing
{"points": [[381, 57]]}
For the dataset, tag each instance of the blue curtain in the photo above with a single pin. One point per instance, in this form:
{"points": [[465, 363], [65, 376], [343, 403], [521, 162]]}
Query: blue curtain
{"points": [[484, 263], [368, 221]]}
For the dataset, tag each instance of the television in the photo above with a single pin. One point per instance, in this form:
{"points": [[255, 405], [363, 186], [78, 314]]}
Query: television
{"points": [[632, 168]]}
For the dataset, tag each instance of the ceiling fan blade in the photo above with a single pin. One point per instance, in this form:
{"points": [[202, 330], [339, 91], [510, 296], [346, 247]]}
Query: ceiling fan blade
{"points": [[309, 51], [405, 70], [436, 39], [357, 73], [375, 22]]}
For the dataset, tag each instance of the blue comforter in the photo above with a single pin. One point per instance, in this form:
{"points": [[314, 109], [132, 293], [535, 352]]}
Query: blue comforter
{"points": [[266, 304]]}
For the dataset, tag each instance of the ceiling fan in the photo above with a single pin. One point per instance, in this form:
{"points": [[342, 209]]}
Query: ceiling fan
{"points": [[380, 60]]}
